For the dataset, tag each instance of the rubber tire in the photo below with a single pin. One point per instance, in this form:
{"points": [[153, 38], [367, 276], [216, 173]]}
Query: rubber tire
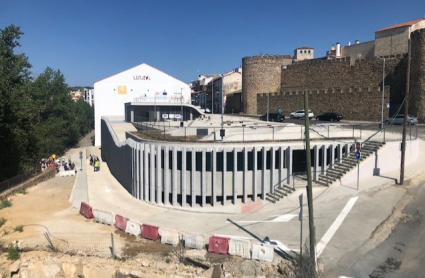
{"points": [[292, 116]]}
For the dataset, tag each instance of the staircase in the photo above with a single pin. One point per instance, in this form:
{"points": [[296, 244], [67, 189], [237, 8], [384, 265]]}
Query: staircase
{"points": [[348, 163], [279, 193]]}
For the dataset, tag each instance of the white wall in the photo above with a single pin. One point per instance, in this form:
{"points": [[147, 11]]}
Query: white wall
{"points": [[142, 82]]}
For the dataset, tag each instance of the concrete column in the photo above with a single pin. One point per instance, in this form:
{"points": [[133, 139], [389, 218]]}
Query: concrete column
{"points": [[324, 155], [339, 150], [235, 171], [244, 173], [332, 158], [183, 177], [263, 173], [136, 165], [158, 174], [254, 174], [174, 180], [146, 171], [213, 176], [204, 178], [281, 151], [272, 166], [133, 170], [193, 178], [347, 150], [166, 175], [223, 177], [152, 174], [132, 114], [316, 163], [289, 157], [141, 183]]}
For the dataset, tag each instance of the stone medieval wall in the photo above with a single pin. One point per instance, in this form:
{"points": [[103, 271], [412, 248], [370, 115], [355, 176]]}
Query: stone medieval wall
{"points": [[349, 87], [260, 74], [417, 75]]}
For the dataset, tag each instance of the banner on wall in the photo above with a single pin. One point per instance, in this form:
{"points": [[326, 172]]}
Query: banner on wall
{"points": [[122, 89]]}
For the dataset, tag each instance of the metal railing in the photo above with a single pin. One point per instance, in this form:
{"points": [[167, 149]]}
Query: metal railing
{"points": [[12, 182]]}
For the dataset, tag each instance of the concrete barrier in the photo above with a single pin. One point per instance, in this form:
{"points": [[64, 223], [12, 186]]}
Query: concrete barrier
{"points": [[169, 236], [66, 173], [133, 228], [194, 240], [104, 217], [240, 247], [86, 210], [262, 252]]}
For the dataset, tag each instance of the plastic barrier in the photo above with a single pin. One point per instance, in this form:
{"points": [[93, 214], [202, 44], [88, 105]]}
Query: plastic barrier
{"points": [[104, 217], [240, 247], [194, 240], [263, 252], [169, 236], [218, 244], [150, 232], [86, 210], [133, 228], [121, 222]]}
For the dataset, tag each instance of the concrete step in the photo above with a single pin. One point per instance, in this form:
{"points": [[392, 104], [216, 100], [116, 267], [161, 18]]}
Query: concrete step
{"points": [[282, 191], [327, 178], [323, 183]]}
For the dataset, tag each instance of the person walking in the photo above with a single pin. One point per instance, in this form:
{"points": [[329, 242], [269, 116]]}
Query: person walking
{"points": [[279, 111]]}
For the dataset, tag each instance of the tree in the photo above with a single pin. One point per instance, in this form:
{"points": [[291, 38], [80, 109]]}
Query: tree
{"points": [[14, 76]]}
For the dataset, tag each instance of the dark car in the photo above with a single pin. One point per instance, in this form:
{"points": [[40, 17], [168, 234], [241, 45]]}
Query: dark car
{"points": [[273, 117], [329, 116]]}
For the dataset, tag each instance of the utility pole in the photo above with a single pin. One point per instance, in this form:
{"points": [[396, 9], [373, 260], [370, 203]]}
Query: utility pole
{"points": [[309, 188], [406, 112]]}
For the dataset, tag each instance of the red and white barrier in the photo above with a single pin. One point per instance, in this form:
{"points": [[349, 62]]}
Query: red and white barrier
{"points": [[263, 252], [86, 210], [150, 232], [194, 240], [169, 236], [133, 228], [104, 217], [219, 245], [121, 222]]}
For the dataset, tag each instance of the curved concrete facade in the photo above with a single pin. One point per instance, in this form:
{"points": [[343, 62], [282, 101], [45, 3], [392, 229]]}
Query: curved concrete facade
{"points": [[183, 174]]}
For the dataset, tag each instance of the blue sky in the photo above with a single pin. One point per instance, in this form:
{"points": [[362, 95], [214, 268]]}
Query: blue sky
{"points": [[90, 40]]}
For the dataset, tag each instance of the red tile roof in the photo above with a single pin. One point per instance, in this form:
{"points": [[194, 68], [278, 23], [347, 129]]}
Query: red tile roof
{"points": [[407, 23]]}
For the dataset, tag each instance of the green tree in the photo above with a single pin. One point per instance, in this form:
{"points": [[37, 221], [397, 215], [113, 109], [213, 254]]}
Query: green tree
{"points": [[14, 77]]}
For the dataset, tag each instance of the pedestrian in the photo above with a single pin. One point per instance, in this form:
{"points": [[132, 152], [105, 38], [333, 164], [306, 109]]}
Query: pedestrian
{"points": [[96, 166], [279, 111], [91, 160], [69, 160]]}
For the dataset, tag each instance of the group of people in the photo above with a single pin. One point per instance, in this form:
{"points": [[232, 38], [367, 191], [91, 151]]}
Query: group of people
{"points": [[49, 163], [68, 165], [94, 161]]}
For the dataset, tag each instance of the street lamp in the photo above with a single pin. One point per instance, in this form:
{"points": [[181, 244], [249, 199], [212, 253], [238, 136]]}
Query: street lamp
{"points": [[212, 92]]}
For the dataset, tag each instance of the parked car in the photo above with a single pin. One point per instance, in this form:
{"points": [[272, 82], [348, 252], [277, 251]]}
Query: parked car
{"points": [[273, 117], [399, 120], [301, 114], [329, 116]]}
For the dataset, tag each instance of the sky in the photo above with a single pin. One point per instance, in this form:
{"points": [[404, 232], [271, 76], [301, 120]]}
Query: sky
{"points": [[90, 40]]}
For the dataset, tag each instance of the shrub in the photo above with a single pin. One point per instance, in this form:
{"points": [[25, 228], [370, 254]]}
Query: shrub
{"points": [[22, 190], [2, 221], [19, 228], [5, 203], [13, 252], [5, 232]]}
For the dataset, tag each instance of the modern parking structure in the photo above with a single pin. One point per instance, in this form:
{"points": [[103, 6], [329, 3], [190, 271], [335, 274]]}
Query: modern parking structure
{"points": [[209, 173]]}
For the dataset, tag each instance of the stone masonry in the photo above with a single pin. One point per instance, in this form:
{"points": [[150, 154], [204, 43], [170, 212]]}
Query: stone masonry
{"points": [[261, 74]]}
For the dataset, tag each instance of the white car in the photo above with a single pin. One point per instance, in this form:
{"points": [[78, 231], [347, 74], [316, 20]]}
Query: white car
{"points": [[399, 120], [300, 114]]}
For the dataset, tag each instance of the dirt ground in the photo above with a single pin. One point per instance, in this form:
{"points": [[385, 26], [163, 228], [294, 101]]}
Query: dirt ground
{"points": [[45, 210]]}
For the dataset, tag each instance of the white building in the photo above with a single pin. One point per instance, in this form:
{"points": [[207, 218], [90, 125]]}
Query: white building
{"points": [[142, 83], [89, 96]]}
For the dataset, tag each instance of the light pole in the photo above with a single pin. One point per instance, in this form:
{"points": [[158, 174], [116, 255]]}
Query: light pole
{"points": [[222, 111]]}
